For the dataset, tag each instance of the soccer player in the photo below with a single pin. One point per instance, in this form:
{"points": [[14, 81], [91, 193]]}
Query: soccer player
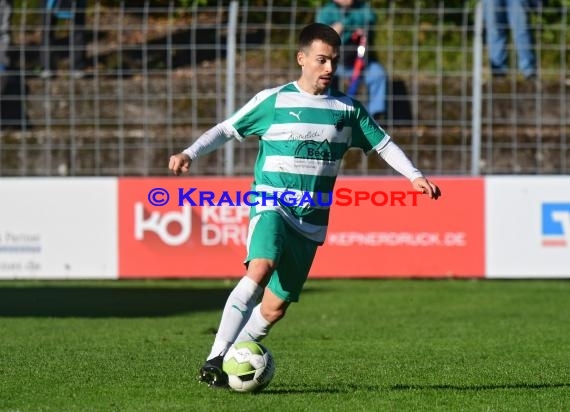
{"points": [[304, 129]]}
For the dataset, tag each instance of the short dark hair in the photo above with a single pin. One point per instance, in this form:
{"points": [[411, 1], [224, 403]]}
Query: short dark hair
{"points": [[318, 31]]}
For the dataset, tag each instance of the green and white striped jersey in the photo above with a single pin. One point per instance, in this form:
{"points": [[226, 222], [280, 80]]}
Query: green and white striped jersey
{"points": [[302, 140]]}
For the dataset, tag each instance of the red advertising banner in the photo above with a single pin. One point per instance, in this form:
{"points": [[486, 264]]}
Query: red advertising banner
{"points": [[175, 240], [197, 227], [405, 234]]}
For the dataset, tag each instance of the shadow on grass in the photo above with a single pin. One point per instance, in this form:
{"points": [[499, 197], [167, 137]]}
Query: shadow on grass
{"points": [[101, 302], [293, 391], [98, 302], [380, 388], [521, 385]]}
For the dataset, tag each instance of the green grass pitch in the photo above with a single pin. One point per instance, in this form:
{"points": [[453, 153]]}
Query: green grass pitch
{"points": [[349, 345]]}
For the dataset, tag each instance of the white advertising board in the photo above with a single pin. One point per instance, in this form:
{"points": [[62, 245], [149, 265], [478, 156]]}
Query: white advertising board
{"points": [[527, 227], [58, 228]]}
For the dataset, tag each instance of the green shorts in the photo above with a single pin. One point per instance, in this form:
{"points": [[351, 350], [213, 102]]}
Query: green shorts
{"points": [[270, 237]]}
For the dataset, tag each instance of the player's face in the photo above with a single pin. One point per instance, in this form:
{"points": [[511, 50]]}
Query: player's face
{"points": [[318, 66]]}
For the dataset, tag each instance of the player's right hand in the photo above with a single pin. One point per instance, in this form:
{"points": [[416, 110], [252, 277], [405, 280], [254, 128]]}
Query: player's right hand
{"points": [[179, 163]]}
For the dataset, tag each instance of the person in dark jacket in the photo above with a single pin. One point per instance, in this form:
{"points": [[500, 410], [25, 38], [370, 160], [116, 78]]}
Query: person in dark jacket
{"points": [[74, 12]]}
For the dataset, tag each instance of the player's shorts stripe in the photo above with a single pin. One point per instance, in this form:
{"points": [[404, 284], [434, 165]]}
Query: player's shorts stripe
{"points": [[252, 222]]}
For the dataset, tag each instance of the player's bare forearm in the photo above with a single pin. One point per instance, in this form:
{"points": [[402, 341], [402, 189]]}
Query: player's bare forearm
{"points": [[179, 163], [423, 185]]}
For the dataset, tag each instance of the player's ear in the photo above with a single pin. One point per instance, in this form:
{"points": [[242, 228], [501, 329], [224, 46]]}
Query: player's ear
{"points": [[300, 58]]}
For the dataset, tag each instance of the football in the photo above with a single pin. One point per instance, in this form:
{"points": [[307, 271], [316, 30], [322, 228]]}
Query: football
{"points": [[249, 365]]}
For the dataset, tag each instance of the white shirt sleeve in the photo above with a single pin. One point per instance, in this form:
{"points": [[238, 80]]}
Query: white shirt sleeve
{"points": [[398, 160], [212, 139]]}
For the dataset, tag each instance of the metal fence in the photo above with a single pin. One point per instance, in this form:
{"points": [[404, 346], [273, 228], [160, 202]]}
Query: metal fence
{"points": [[156, 78]]}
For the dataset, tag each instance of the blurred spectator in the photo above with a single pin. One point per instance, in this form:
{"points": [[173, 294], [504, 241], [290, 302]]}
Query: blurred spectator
{"points": [[12, 86], [5, 15], [501, 16], [352, 19], [74, 12]]}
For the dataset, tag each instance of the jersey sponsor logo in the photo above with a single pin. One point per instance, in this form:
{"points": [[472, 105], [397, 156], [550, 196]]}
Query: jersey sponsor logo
{"points": [[556, 224], [311, 149]]}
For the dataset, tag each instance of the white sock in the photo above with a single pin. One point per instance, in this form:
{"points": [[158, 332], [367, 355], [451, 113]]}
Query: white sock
{"points": [[236, 313], [256, 328]]}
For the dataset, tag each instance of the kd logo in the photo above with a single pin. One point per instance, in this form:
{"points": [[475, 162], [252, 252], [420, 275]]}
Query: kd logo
{"points": [[158, 223]]}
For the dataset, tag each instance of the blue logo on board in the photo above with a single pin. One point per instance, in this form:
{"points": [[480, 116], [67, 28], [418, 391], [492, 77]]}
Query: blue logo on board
{"points": [[556, 224]]}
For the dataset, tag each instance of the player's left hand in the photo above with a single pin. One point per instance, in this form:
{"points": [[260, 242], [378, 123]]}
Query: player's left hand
{"points": [[423, 185]]}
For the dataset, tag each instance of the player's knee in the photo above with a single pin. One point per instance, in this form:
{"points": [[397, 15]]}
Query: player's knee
{"points": [[273, 314], [260, 269]]}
